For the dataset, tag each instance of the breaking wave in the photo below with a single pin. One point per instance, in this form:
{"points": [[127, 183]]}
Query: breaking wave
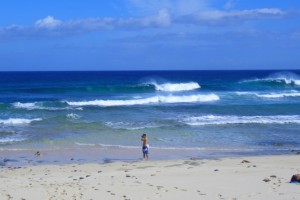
{"points": [[52, 106], [12, 139], [131, 125], [176, 87], [150, 100], [231, 119], [29, 106], [18, 121], [271, 95], [287, 78], [73, 116], [279, 95]]}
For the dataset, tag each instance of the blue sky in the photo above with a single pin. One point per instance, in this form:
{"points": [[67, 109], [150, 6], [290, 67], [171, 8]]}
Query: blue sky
{"points": [[149, 34]]}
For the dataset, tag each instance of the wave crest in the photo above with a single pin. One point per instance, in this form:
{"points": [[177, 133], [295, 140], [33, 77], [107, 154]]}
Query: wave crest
{"points": [[271, 95], [176, 87], [29, 106], [12, 139], [18, 121], [52, 106], [231, 119], [288, 78], [279, 95], [73, 116], [150, 100], [131, 125]]}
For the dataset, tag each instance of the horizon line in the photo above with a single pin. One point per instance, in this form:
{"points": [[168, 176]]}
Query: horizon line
{"points": [[150, 70]]}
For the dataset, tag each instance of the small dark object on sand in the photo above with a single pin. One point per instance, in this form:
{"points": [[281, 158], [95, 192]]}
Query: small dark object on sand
{"points": [[38, 153], [295, 178], [266, 180], [245, 161]]}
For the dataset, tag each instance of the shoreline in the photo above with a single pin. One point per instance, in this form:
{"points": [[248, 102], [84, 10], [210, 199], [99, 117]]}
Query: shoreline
{"points": [[27, 157], [253, 177]]}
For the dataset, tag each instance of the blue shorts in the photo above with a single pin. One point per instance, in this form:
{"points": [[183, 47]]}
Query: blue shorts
{"points": [[145, 150]]}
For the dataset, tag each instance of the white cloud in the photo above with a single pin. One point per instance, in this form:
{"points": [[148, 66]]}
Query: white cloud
{"points": [[192, 11], [249, 14], [48, 22], [214, 17], [162, 19]]}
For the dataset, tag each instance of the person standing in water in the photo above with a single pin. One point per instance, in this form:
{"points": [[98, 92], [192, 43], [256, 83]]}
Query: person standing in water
{"points": [[145, 146]]}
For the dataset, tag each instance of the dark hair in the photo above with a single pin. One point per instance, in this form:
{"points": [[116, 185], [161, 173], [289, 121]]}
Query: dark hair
{"points": [[144, 135]]}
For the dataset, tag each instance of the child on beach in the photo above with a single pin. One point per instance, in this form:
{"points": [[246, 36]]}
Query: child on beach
{"points": [[144, 139]]}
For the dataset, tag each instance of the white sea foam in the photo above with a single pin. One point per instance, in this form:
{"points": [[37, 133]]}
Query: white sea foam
{"points": [[84, 144], [108, 146], [112, 146], [279, 95], [288, 78], [297, 82], [150, 100], [176, 87], [131, 125], [245, 93], [73, 116], [37, 106], [273, 95], [118, 146], [18, 121], [287, 81], [29, 106], [231, 119], [11, 139], [152, 147]]}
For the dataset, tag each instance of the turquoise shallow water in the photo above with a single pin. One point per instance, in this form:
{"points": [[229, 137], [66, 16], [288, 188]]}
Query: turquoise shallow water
{"points": [[226, 111]]}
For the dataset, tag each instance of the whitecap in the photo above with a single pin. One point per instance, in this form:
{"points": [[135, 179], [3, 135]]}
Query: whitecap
{"points": [[279, 95], [10, 140], [84, 144], [29, 106], [177, 87], [288, 78], [150, 100], [73, 116], [36, 106], [117, 146], [232, 119], [131, 125], [244, 93], [18, 121], [274, 95]]}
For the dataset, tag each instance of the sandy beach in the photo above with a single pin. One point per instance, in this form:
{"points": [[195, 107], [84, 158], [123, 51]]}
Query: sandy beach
{"points": [[265, 177]]}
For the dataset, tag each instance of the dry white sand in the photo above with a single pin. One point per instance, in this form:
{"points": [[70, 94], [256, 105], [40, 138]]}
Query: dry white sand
{"points": [[228, 178]]}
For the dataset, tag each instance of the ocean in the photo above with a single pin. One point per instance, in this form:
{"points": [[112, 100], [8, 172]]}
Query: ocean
{"points": [[205, 112]]}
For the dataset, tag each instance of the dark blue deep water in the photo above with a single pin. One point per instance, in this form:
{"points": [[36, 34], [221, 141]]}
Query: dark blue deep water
{"points": [[255, 111]]}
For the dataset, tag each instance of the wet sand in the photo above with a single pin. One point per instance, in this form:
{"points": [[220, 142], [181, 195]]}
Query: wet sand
{"points": [[260, 177]]}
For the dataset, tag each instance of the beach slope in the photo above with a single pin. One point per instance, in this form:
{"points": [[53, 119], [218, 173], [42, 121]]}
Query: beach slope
{"points": [[265, 177]]}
